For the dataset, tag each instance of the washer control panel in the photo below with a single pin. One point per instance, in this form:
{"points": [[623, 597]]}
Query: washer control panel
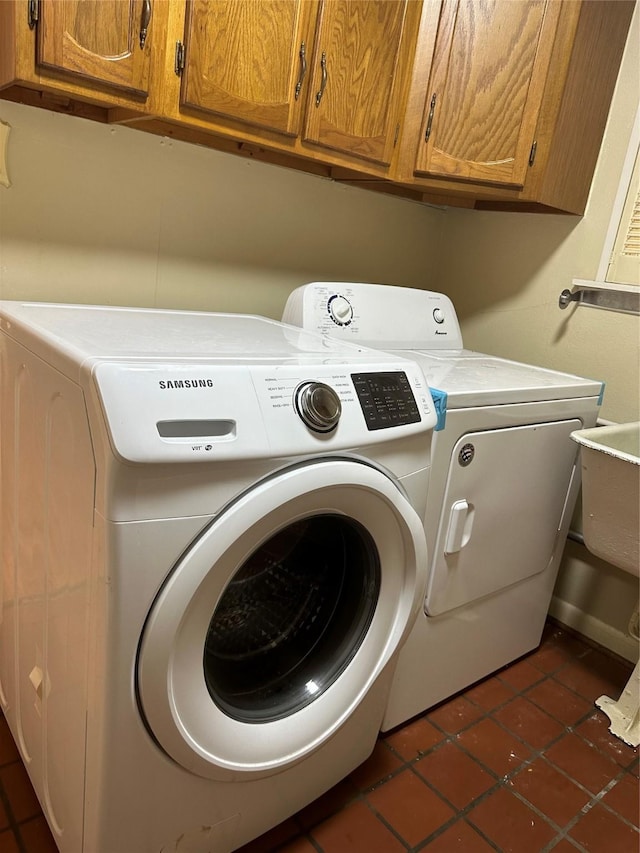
{"points": [[386, 399], [194, 411]]}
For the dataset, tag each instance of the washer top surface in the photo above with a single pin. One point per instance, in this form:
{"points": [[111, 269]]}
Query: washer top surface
{"points": [[106, 332], [177, 386]]}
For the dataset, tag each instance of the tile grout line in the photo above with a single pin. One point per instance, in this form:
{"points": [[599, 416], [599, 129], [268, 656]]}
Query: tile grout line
{"points": [[13, 824], [505, 780]]}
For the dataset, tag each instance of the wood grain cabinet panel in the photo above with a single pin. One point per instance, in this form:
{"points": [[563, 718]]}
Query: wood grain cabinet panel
{"points": [[108, 42], [485, 90], [248, 60], [508, 101], [361, 52], [90, 58]]}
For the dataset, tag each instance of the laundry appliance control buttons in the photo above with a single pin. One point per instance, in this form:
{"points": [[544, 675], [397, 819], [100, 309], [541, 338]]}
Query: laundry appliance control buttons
{"points": [[318, 405], [340, 310]]}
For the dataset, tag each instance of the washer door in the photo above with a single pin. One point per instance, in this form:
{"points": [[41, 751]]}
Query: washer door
{"points": [[278, 620]]}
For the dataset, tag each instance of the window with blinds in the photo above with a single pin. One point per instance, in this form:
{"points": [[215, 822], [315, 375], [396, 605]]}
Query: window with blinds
{"points": [[624, 266]]}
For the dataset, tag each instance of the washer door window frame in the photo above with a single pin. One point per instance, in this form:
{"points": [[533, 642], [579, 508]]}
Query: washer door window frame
{"points": [[172, 692]]}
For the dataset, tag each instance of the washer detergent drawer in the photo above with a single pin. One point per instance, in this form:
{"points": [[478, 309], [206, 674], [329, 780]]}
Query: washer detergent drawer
{"points": [[502, 509]]}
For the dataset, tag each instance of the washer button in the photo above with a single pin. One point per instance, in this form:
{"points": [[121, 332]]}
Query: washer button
{"points": [[318, 405]]}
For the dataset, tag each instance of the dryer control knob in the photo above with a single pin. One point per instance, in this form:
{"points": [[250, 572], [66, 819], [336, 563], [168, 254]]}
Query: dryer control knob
{"points": [[318, 405], [340, 310], [438, 315]]}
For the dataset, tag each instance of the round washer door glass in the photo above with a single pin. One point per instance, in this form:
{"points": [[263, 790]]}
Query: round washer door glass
{"points": [[292, 618]]}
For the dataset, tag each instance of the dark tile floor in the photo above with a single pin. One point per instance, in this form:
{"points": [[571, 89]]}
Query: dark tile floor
{"points": [[522, 761]]}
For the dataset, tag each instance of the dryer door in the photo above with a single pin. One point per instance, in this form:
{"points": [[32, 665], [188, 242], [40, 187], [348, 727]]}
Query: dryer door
{"points": [[502, 510], [280, 618]]}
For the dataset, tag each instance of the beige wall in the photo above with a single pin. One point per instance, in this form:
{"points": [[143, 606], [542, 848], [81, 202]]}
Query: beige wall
{"points": [[505, 283], [111, 215]]}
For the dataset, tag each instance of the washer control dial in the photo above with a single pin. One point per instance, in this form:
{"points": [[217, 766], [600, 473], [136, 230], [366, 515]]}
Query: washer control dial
{"points": [[318, 406], [340, 310], [438, 315]]}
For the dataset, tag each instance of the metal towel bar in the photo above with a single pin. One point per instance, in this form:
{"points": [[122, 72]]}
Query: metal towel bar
{"points": [[625, 300]]}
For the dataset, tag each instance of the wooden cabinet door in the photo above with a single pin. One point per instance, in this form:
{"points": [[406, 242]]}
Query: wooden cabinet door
{"points": [[485, 90], [248, 60], [104, 41], [354, 102]]}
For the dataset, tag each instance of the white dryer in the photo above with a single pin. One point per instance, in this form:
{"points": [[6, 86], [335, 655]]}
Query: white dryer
{"points": [[503, 484], [210, 559]]}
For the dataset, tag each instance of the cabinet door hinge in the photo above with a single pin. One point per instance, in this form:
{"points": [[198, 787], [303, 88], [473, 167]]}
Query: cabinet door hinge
{"points": [[532, 153], [32, 13], [178, 65]]}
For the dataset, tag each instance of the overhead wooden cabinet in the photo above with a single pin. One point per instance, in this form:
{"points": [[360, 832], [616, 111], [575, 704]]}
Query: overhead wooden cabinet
{"points": [[331, 75], [485, 89], [248, 61], [72, 54], [102, 41], [362, 55], [509, 100], [483, 103]]}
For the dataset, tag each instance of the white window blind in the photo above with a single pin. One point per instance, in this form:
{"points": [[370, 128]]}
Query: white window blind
{"points": [[624, 266]]}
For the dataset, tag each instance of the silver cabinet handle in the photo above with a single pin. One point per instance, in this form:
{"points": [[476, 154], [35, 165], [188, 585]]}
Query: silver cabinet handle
{"points": [[323, 82], [145, 18], [303, 69], [432, 108]]}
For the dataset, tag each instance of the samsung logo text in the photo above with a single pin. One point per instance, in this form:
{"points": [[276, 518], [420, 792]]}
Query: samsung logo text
{"points": [[172, 384]]}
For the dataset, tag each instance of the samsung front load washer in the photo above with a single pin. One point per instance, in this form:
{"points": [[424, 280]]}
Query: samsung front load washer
{"points": [[503, 484], [210, 559]]}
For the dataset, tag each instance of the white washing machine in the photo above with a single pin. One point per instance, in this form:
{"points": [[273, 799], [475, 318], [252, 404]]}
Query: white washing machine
{"points": [[503, 484], [210, 559]]}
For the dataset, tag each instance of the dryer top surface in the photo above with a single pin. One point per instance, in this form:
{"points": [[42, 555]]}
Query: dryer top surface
{"points": [[475, 379], [423, 325]]}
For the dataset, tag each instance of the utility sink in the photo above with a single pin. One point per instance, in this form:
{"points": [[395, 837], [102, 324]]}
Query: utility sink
{"points": [[611, 526], [611, 493]]}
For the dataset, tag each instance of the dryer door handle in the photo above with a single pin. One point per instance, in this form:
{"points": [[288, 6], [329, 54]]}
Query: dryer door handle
{"points": [[460, 524]]}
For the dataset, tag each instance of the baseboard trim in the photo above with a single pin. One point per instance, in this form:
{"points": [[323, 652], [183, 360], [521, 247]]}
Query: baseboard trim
{"points": [[601, 633]]}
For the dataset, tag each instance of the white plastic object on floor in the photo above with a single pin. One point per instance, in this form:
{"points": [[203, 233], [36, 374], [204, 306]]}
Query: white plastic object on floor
{"points": [[625, 713]]}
